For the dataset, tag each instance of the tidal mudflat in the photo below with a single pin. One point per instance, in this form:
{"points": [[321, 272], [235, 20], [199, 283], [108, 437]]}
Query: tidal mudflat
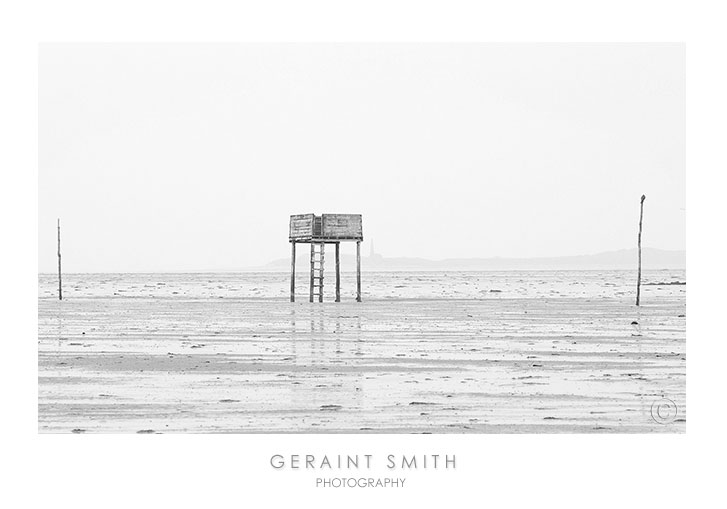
{"points": [[423, 353]]}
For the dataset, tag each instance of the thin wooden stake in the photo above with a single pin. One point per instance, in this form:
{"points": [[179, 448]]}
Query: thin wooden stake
{"points": [[638, 280], [60, 286]]}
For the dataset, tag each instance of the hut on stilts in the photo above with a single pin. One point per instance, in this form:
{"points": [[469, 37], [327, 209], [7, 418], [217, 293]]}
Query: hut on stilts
{"points": [[319, 231]]}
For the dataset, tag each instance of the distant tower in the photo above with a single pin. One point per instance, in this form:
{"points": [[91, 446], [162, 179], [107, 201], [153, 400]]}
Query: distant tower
{"points": [[373, 256]]}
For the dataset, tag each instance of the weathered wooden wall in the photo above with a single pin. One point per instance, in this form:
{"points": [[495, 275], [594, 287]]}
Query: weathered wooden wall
{"points": [[305, 227], [346, 226], [301, 226]]}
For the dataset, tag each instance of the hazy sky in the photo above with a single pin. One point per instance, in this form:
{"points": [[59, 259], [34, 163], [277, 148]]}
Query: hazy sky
{"points": [[192, 157]]}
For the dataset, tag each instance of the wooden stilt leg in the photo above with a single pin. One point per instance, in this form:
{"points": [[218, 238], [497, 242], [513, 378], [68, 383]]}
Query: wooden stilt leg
{"points": [[338, 272], [320, 272], [312, 265], [292, 271], [358, 271]]}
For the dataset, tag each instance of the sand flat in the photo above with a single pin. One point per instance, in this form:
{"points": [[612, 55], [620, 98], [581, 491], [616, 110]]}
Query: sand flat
{"points": [[115, 363]]}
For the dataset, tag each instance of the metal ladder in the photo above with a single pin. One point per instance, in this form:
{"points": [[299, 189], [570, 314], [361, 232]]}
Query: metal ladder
{"points": [[316, 271]]}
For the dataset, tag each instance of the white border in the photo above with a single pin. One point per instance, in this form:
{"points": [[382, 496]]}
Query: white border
{"points": [[118, 471]]}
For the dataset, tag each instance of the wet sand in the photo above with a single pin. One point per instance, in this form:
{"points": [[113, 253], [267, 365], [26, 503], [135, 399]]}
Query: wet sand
{"points": [[111, 363]]}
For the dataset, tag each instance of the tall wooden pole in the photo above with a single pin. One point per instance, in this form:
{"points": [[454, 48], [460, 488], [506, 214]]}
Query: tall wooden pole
{"points": [[338, 272], [60, 286], [292, 271], [358, 271], [638, 280]]}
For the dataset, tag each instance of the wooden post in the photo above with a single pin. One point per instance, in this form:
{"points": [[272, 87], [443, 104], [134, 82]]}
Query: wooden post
{"points": [[292, 271], [638, 280], [338, 272], [312, 265], [60, 286], [320, 272], [358, 271]]}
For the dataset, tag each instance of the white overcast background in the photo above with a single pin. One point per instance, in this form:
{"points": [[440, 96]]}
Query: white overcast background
{"points": [[192, 157]]}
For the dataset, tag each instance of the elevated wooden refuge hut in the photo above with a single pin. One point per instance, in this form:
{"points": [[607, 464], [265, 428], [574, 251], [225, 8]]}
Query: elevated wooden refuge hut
{"points": [[319, 231]]}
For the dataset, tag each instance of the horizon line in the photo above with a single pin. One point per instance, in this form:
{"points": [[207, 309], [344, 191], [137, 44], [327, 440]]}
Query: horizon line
{"points": [[265, 267]]}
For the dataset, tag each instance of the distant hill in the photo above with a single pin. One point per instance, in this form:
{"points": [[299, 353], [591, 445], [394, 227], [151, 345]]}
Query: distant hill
{"points": [[622, 259]]}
